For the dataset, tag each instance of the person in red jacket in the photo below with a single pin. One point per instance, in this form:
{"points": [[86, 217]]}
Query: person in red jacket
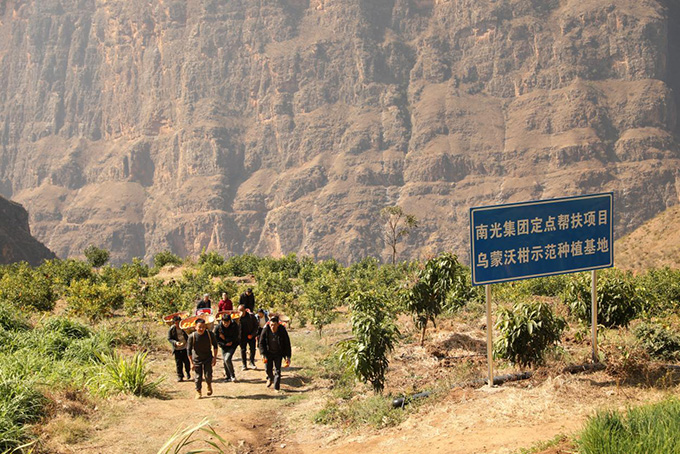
{"points": [[225, 303]]}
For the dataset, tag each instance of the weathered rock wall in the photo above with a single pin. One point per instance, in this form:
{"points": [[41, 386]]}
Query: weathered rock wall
{"points": [[285, 125], [16, 242]]}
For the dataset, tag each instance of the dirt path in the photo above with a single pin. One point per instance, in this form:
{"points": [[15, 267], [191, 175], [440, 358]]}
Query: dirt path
{"points": [[244, 413]]}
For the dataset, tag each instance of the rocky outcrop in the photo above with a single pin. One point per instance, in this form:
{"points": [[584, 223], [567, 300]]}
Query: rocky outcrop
{"points": [[286, 125], [16, 242]]}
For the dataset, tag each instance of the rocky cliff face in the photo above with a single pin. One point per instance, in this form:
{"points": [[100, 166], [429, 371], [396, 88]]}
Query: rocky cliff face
{"points": [[285, 125], [16, 242]]}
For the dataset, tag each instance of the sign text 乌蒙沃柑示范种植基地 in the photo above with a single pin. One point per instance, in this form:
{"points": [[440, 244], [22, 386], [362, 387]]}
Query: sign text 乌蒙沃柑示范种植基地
{"points": [[541, 238]]}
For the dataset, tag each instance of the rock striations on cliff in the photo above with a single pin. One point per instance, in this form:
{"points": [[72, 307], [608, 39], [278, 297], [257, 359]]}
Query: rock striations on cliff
{"points": [[16, 242], [286, 125]]}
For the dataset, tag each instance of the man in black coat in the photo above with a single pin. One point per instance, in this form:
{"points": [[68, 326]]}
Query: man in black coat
{"points": [[228, 338], [178, 339], [247, 299], [249, 326], [275, 346]]}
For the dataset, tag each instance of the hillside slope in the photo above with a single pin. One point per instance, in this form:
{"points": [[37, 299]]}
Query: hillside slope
{"points": [[285, 126], [655, 244]]}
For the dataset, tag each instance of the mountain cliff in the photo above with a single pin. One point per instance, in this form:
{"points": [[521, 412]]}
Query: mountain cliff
{"points": [[16, 242], [286, 125]]}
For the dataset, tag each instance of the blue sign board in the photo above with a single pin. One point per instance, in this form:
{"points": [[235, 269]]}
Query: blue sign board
{"points": [[541, 238]]}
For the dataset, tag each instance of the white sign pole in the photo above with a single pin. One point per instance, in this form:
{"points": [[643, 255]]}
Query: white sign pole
{"points": [[489, 334], [593, 295]]}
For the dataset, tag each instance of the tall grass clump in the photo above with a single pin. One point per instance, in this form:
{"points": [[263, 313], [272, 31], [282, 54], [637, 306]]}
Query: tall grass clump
{"points": [[182, 439], [20, 406], [650, 429], [129, 375]]}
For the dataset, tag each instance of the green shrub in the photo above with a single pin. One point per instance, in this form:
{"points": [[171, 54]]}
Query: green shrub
{"points": [[96, 257], [166, 299], [427, 295], [650, 429], [240, 265], [320, 298], [93, 301], [658, 341], [661, 287], [129, 375], [27, 289], [618, 299], [275, 290], [546, 286], [166, 258], [375, 335], [62, 272], [527, 331]]}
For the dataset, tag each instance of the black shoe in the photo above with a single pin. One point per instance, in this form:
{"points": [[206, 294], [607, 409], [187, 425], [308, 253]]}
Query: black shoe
{"points": [[269, 382], [188, 377], [180, 379]]}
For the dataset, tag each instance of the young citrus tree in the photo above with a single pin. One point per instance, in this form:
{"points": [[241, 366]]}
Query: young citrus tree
{"points": [[427, 296], [375, 335]]}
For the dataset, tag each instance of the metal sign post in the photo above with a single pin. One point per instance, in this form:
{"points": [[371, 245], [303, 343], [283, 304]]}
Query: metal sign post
{"points": [[489, 335], [593, 308], [541, 238]]}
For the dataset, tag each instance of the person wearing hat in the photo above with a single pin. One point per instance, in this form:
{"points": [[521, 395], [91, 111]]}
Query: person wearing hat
{"points": [[227, 336], [178, 339], [247, 299]]}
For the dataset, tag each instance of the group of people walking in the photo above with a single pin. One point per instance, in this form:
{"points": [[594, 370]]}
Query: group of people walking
{"points": [[197, 352]]}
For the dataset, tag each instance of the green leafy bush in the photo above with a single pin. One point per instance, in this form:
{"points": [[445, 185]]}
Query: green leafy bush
{"points": [[62, 272], [650, 429], [658, 341], [93, 301], [276, 291], [166, 299], [546, 286], [27, 288], [375, 335], [166, 258], [240, 265], [661, 287], [96, 257], [527, 331], [426, 297], [618, 299], [321, 296]]}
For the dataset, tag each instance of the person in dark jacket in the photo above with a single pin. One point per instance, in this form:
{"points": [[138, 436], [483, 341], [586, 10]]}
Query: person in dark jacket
{"points": [[274, 347], [202, 350], [205, 303], [227, 335], [247, 299], [178, 339], [249, 326], [262, 319]]}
